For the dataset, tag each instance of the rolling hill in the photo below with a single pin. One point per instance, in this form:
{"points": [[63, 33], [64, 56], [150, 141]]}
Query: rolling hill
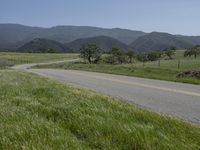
{"points": [[104, 42], [43, 46], [160, 41]]}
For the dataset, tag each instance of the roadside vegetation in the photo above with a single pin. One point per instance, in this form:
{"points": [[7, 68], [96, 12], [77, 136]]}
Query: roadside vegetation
{"points": [[10, 59], [169, 64], [37, 113]]}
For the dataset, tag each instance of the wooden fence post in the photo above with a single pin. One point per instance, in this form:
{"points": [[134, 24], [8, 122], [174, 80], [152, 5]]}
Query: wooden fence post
{"points": [[179, 64], [159, 63]]}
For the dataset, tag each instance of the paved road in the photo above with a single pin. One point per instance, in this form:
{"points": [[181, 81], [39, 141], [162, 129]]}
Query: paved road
{"points": [[176, 99]]}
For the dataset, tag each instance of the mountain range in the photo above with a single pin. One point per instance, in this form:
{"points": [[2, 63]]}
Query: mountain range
{"points": [[15, 37]]}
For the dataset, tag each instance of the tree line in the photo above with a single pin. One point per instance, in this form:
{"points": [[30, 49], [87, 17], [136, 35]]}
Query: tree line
{"points": [[194, 51], [92, 54]]}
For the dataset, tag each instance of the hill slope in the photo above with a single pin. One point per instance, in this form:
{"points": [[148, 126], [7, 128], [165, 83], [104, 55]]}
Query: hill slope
{"points": [[13, 35], [104, 42], [42, 45], [160, 41]]}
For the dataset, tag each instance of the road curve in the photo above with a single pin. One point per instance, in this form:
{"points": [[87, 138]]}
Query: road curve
{"points": [[176, 99]]}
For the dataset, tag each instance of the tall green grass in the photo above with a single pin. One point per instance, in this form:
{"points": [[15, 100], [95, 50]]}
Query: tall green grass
{"points": [[37, 113], [10, 59]]}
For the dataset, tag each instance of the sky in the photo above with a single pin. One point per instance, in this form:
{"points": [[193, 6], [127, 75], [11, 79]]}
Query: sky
{"points": [[172, 16]]}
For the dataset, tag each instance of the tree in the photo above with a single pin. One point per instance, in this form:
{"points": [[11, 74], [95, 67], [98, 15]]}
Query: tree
{"points": [[116, 56], [188, 53], [172, 48], [52, 50], [170, 53], [195, 51], [153, 56], [131, 56], [160, 54], [142, 57], [91, 53], [119, 54]]}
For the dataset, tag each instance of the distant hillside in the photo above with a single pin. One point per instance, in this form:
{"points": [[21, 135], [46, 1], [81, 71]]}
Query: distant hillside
{"points": [[160, 41], [42, 46], [104, 42], [13, 36]]}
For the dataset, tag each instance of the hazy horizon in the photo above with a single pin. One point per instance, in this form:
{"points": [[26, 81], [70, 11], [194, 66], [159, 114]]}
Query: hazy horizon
{"points": [[174, 17]]}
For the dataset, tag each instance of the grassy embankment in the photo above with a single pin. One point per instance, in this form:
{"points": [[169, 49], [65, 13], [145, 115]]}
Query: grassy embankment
{"points": [[37, 113], [167, 70], [10, 59]]}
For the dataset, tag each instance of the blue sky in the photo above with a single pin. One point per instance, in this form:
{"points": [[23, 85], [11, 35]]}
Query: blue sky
{"points": [[173, 16]]}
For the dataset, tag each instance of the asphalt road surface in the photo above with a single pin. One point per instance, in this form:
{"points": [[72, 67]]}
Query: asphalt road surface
{"points": [[175, 99]]}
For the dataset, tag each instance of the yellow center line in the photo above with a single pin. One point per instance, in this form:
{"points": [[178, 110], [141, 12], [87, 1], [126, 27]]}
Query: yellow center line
{"points": [[141, 85]]}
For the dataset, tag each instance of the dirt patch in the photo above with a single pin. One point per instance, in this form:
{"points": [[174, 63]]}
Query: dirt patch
{"points": [[190, 73]]}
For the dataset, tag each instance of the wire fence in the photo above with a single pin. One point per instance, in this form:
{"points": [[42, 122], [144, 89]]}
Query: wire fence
{"points": [[181, 64]]}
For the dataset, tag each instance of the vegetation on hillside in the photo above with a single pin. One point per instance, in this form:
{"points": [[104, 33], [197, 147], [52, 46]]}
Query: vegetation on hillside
{"points": [[103, 42], [36, 116], [43, 46], [157, 41]]}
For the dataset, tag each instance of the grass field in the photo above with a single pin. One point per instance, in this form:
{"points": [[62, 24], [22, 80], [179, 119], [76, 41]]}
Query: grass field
{"points": [[37, 113], [10, 59], [186, 63], [167, 70]]}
